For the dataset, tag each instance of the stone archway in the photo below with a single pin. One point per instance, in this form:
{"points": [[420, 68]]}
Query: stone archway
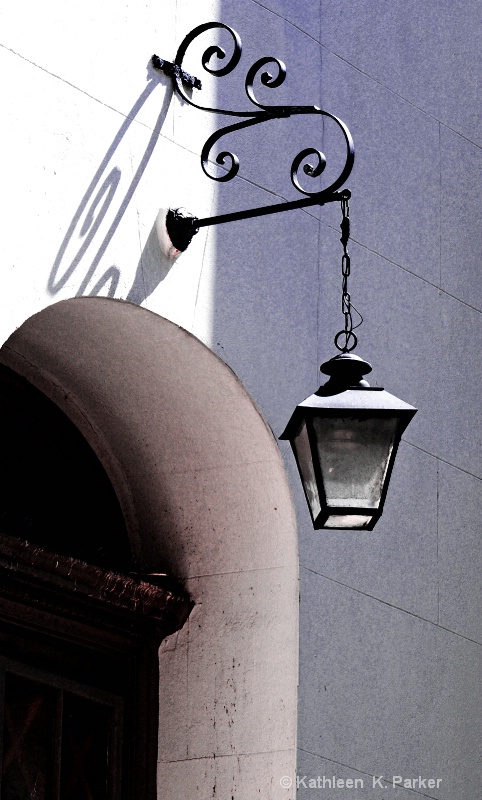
{"points": [[204, 495]]}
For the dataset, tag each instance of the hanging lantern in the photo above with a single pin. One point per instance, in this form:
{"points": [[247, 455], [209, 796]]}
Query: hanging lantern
{"points": [[345, 436]]}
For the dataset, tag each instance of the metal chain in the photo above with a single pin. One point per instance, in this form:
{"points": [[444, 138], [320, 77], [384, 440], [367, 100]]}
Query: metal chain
{"points": [[351, 339]]}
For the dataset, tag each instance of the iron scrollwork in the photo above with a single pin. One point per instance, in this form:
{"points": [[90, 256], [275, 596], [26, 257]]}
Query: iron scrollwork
{"points": [[272, 73]]}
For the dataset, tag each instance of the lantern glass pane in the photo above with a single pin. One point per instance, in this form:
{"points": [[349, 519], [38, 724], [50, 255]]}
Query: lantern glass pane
{"points": [[302, 449], [354, 456]]}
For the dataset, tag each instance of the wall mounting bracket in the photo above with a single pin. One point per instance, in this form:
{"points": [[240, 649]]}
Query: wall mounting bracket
{"points": [[181, 226]]}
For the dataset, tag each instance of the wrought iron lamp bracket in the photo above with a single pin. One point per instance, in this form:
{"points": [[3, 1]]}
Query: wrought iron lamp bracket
{"points": [[311, 161]]}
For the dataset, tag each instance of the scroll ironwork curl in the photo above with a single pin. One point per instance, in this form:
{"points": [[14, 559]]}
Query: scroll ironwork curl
{"points": [[267, 79], [271, 73]]}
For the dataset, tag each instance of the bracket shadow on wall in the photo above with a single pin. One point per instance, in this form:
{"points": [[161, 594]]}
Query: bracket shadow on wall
{"points": [[181, 227], [346, 435]]}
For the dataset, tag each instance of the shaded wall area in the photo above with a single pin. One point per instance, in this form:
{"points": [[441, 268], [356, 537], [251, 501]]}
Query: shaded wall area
{"points": [[390, 656]]}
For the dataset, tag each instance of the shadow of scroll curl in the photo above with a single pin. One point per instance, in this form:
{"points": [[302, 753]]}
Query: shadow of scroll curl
{"points": [[111, 276], [96, 209]]}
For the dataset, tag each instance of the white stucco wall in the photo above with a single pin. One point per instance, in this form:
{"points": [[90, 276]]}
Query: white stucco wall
{"points": [[89, 156]]}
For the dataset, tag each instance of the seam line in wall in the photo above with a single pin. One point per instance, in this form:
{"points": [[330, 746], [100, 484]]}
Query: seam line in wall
{"points": [[391, 605], [443, 460], [409, 271], [357, 769], [241, 572], [288, 21], [401, 97], [67, 83], [214, 757]]}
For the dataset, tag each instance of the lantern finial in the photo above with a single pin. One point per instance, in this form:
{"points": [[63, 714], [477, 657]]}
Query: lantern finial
{"points": [[345, 371]]}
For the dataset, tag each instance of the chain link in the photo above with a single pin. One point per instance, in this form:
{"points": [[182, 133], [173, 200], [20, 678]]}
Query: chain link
{"points": [[346, 306]]}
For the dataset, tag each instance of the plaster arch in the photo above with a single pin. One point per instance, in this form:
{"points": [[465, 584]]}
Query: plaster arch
{"points": [[203, 490]]}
